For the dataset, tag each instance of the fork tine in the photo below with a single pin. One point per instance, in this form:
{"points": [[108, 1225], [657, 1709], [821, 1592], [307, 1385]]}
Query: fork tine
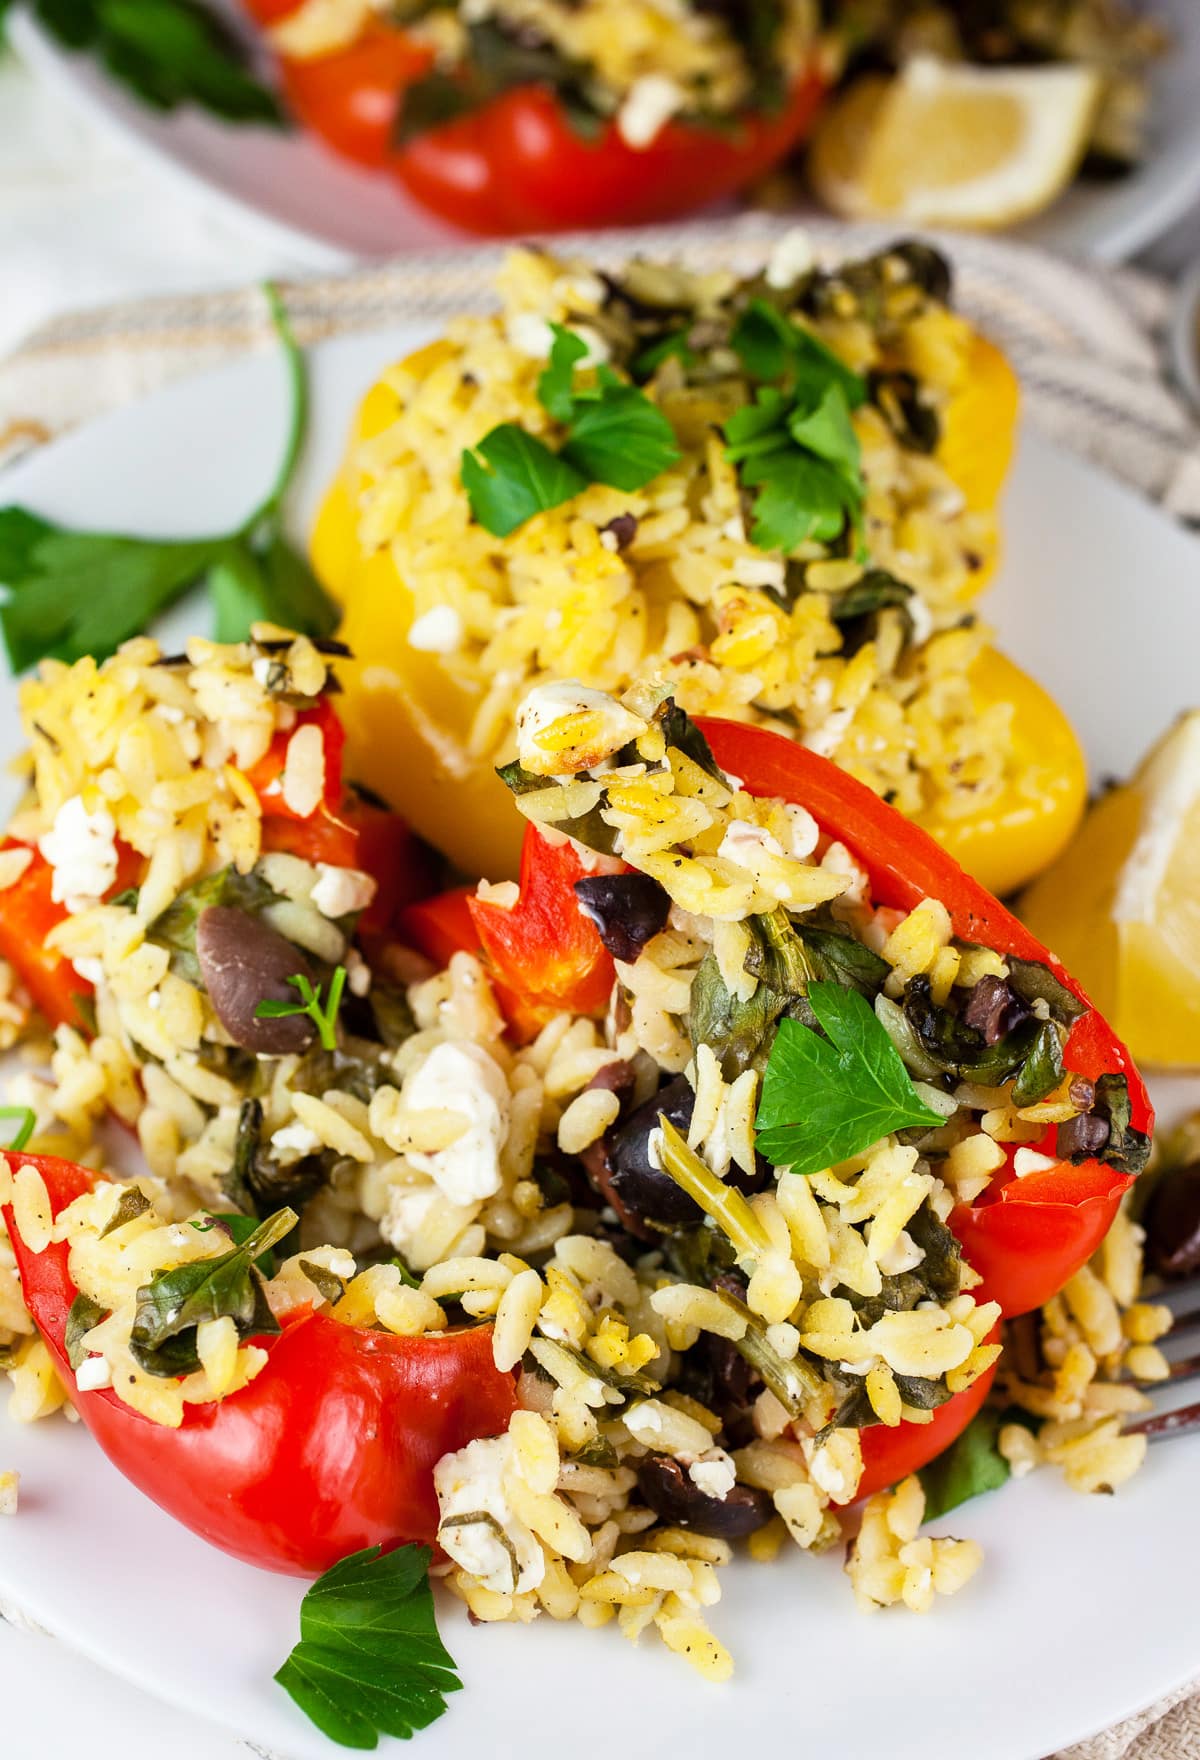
{"points": [[1163, 1425]]}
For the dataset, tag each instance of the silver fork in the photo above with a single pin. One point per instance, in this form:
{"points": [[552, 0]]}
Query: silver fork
{"points": [[1181, 1298]]}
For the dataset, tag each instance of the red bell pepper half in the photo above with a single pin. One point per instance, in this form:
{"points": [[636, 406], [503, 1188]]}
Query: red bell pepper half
{"points": [[329, 1450], [1025, 1237]]}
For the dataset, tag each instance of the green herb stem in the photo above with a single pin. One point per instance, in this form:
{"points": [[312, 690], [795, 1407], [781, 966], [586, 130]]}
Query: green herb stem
{"points": [[725, 1204]]}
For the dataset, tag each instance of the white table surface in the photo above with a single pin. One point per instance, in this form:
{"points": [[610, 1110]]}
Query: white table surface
{"points": [[80, 223]]}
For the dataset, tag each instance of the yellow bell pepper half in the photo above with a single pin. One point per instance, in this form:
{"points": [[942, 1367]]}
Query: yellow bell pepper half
{"points": [[407, 720]]}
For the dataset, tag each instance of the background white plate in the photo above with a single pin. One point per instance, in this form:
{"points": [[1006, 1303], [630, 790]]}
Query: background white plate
{"points": [[1086, 1608], [326, 212]]}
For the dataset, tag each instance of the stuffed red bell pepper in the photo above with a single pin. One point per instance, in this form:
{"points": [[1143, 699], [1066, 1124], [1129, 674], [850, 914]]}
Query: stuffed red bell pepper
{"points": [[1043, 1120], [328, 1449], [589, 119]]}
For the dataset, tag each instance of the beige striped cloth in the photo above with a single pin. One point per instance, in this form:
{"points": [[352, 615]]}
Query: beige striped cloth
{"points": [[1087, 344]]}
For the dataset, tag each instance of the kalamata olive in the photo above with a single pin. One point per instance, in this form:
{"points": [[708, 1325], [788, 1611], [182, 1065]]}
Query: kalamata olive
{"points": [[1078, 1139], [618, 1077], [628, 910], [243, 962], [1173, 1222], [994, 1009], [640, 1189], [623, 529], [671, 1493]]}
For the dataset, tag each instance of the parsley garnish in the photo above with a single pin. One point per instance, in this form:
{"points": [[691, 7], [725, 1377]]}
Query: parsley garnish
{"points": [[370, 1660], [511, 475], [323, 1015], [970, 1466], [825, 1099], [71, 593], [614, 435], [25, 1129], [168, 52], [795, 443]]}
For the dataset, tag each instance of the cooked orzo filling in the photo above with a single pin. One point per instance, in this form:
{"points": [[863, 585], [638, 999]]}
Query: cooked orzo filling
{"points": [[705, 1341], [811, 569], [638, 61]]}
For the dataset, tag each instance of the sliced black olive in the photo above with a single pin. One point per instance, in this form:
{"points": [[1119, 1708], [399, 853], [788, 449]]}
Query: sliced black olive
{"points": [[628, 910], [1078, 1139], [243, 962], [672, 1494], [994, 1009], [642, 1192], [1173, 1223], [623, 529], [926, 266]]}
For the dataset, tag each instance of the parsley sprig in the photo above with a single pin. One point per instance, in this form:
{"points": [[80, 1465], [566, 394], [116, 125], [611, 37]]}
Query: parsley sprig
{"points": [[795, 443], [26, 1127], [614, 435], [167, 52], [370, 1660], [322, 1014], [71, 593], [825, 1098]]}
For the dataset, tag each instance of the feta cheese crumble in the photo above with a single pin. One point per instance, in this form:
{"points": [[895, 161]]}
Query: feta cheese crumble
{"points": [[498, 1549], [462, 1078], [341, 892], [437, 631], [648, 107], [588, 726], [82, 850]]}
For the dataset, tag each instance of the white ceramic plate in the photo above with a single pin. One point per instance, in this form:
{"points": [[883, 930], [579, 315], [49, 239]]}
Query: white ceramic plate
{"points": [[1086, 1608], [326, 212]]}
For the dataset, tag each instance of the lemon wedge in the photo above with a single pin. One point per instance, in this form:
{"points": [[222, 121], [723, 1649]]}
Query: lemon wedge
{"points": [[944, 144], [1122, 907]]}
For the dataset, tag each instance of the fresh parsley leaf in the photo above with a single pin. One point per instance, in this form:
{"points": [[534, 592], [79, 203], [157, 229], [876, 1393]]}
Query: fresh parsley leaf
{"points": [[799, 497], [614, 435], [26, 1127], [370, 1660], [970, 1466], [617, 436], [556, 385], [827, 430], [168, 52], [673, 347], [824, 1099], [771, 348], [322, 1014], [176, 1301], [72, 593], [271, 585], [87, 592], [510, 476]]}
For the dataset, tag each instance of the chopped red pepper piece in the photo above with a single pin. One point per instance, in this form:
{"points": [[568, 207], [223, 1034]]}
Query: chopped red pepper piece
{"points": [[330, 1449], [545, 953]]}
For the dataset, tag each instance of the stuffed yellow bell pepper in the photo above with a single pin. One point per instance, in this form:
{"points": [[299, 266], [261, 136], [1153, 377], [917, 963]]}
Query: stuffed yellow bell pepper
{"points": [[777, 495]]}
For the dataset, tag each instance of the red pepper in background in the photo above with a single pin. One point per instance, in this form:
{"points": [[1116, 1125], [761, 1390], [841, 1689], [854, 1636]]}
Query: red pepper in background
{"points": [[330, 1449], [516, 164]]}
